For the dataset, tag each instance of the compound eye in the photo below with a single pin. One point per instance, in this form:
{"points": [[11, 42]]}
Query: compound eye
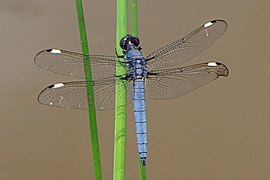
{"points": [[135, 41], [124, 42]]}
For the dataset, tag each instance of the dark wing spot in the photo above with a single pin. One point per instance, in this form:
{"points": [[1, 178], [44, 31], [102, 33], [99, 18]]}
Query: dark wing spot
{"points": [[51, 86]]}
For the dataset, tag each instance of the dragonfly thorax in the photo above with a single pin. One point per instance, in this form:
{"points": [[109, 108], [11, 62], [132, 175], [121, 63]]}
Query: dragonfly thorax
{"points": [[136, 64]]}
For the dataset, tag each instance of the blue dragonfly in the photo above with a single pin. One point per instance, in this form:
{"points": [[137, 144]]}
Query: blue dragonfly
{"points": [[158, 75]]}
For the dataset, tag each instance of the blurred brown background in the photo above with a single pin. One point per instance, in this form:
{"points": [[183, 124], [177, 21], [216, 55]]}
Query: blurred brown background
{"points": [[220, 131]]}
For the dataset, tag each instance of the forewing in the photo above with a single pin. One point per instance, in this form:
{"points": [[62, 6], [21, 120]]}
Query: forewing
{"points": [[73, 95], [173, 83], [188, 47], [71, 63]]}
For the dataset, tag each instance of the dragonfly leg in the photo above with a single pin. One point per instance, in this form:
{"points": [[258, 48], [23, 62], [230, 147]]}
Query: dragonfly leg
{"points": [[122, 63], [118, 56], [151, 75], [153, 57], [123, 77]]}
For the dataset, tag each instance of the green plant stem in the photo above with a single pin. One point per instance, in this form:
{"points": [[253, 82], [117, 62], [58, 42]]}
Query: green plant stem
{"points": [[120, 98], [134, 19], [142, 171], [134, 32], [90, 92]]}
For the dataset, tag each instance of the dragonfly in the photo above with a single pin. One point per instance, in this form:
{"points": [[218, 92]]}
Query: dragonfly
{"points": [[157, 76]]}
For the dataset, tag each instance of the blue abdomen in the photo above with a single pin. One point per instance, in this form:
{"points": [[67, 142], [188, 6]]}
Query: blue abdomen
{"points": [[140, 118]]}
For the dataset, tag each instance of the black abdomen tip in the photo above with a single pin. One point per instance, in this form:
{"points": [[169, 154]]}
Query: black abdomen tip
{"points": [[143, 162]]}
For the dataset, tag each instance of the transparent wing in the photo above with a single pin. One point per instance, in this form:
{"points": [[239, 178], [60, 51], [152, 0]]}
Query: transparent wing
{"points": [[73, 95], [71, 63], [188, 47], [172, 83]]}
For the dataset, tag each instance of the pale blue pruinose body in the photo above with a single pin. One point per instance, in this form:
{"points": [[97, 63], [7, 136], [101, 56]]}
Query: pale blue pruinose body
{"points": [[137, 71], [158, 75]]}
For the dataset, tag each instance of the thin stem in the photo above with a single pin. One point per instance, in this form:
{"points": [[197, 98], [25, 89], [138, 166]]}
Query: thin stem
{"points": [[134, 19], [120, 98], [90, 92], [142, 171]]}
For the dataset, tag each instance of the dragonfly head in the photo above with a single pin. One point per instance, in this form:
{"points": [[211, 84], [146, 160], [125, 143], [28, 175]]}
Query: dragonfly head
{"points": [[128, 41]]}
